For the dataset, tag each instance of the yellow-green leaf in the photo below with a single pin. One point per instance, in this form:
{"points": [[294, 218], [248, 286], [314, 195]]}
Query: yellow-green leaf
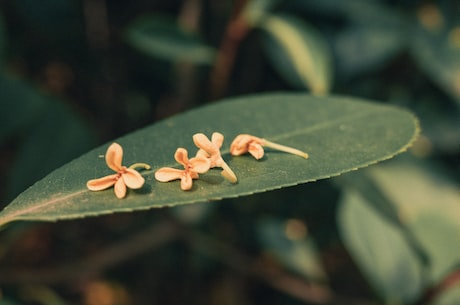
{"points": [[298, 52]]}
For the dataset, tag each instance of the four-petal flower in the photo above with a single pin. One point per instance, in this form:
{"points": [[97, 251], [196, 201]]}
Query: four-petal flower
{"points": [[124, 177], [208, 156], [192, 167], [211, 150], [244, 143]]}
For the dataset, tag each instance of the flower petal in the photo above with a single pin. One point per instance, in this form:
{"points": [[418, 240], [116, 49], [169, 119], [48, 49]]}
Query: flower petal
{"points": [[133, 179], [194, 175], [200, 165], [120, 189], [166, 174], [186, 182], [181, 156], [202, 154], [202, 141], [114, 156], [240, 144], [217, 139], [256, 150], [102, 183]]}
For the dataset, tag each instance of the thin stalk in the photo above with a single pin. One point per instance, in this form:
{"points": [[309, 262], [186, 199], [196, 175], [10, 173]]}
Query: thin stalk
{"points": [[285, 148], [227, 172], [140, 165]]}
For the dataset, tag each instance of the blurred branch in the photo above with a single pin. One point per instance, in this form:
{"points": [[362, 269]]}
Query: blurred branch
{"points": [[96, 21], [236, 30], [277, 278], [448, 282], [186, 72], [112, 255]]}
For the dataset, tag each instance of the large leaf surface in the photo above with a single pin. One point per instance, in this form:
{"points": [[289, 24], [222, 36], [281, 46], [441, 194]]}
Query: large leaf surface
{"points": [[340, 134]]}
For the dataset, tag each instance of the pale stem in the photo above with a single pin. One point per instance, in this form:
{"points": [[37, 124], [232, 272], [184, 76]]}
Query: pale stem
{"points": [[285, 148], [140, 165], [227, 172]]}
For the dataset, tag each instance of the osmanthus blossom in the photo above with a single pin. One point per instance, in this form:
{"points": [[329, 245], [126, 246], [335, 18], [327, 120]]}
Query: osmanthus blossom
{"points": [[210, 149], [244, 143], [124, 177], [192, 167]]}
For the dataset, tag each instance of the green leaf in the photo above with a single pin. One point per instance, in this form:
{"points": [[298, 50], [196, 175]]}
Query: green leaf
{"points": [[450, 296], [438, 55], [296, 250], [298, 52], [340, 134], [161, 37], [422, 203], [5, 301], [45, 146], [428, 203], [360, 49], [256, 10], [380, 250], [21, 105]]}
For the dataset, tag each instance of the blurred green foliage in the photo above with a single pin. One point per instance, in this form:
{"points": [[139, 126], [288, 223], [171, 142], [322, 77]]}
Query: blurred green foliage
{"points": [[71, 79]]}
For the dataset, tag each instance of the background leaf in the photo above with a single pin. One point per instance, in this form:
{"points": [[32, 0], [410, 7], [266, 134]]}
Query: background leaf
{"points": [[46, 146], [161, 37], [289, 242], [436, 49], [340, 134], [380, 250], [298, 52], [363, 48], [12, 94], [449, 297], [428, 203], [256, 10], [419, 204], [44, 124]]}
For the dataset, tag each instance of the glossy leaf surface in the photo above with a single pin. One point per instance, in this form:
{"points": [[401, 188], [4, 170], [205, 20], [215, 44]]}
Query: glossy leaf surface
{"points": [[340, 134]]}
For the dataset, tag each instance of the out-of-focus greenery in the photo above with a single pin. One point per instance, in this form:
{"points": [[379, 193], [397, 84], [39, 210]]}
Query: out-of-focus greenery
{"points": [[75, 74]]}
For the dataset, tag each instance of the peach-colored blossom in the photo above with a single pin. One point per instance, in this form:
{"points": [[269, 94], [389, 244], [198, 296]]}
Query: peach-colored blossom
{"points": [[244, 143], [211, 150], [192, 167], [124, 177]]}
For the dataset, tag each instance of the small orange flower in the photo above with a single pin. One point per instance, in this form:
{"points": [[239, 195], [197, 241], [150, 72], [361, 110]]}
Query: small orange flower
{"points": [[244, 143], [211, 150], [192, 168], [125, 177]]}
